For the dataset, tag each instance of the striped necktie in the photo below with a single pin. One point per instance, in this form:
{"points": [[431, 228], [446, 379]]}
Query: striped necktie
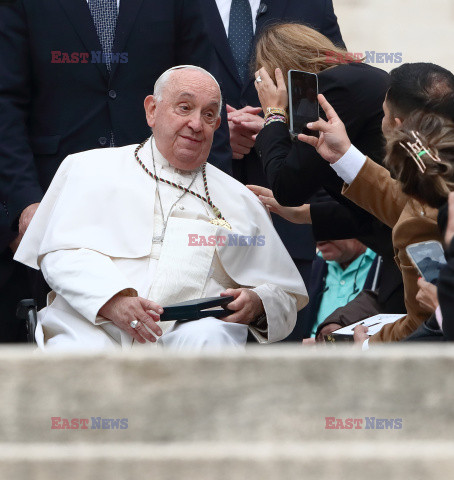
{"points": [[241, 34]]}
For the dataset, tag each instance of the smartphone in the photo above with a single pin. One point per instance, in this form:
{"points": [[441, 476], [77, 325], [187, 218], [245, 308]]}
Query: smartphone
{"points": [[428, 258], [303, 101]]}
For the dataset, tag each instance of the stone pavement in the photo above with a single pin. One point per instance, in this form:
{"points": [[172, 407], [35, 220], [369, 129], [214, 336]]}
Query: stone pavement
{"points": [[261, 414]]}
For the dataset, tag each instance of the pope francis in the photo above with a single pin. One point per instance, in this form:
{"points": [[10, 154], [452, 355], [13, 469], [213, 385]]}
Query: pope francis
{"points": [[123, 232]]}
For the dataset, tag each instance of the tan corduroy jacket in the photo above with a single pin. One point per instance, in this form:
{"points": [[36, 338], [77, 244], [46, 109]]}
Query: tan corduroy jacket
{"points": [[374, 190]]}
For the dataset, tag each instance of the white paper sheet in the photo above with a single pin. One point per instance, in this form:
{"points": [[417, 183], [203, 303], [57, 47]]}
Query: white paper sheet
{"points": [[374, 323]]}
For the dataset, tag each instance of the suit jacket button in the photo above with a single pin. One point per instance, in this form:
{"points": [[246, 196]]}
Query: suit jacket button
{"points": [[112, 94], [102, 141]]}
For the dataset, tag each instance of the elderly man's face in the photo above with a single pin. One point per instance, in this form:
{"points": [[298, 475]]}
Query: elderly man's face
{"points": [[184, 121], [341, 251]]}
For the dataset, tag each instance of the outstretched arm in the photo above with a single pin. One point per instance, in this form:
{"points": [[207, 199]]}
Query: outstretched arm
{"points": [[370, 185]]}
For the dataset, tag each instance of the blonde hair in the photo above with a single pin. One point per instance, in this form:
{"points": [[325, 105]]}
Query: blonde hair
{"points": [[437, 134], [292, 46]]}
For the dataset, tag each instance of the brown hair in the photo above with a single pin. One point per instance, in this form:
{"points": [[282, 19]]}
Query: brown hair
{"points": [[437, 134], [292, 46]]}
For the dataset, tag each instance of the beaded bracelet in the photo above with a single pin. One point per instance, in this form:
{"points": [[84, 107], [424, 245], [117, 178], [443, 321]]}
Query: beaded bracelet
{"points": [[275, 111], [275, 118]]}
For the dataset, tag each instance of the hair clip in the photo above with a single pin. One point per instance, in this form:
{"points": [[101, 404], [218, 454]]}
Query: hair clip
{"points": [[417, 150]]}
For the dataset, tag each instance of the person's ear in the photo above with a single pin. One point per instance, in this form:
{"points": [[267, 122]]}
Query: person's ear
{"points": [[398, 122], [150, 110]]}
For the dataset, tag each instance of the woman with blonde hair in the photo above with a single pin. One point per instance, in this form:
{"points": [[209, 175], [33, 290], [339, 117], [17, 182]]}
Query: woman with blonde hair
{"points": [[355, 89], [292, 46]]}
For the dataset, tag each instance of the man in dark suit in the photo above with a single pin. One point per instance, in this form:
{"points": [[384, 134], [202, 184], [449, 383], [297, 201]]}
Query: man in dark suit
{"points": [[233, 26], [74, 75]]}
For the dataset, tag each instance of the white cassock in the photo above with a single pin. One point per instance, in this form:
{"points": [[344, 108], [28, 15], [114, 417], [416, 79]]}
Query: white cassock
{"points": [[92, 236]]}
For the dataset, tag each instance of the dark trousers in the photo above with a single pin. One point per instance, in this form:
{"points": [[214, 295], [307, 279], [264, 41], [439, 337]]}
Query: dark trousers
{"points": [[14, 286]]}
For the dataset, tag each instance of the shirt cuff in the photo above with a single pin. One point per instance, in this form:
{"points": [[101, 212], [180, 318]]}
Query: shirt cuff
{"points": [[365, 345], [280, 311], [439, 317], [349, 165]]}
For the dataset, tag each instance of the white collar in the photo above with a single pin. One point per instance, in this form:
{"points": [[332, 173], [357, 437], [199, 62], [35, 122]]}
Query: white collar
{"points": [[159, 159]]}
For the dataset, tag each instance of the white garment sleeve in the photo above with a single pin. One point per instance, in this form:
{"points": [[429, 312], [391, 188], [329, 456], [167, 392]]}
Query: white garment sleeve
{"points": [[349, 165], [365, 345], [280, 311], [439, 317], [85, 279]]}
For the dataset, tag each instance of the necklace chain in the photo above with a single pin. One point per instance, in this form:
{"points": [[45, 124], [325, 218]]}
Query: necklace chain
{"points": [[160, 239], [207, 200]]}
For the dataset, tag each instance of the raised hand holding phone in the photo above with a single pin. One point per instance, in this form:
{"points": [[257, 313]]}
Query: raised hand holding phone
{"points": [[333, 142]]}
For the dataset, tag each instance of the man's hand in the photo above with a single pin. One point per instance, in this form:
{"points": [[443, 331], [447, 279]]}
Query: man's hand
{"points": [[247, 305], [360, 334], [271, 95], [450, 227], [122, 310], [326, 330], [301, 214], [333, 142], [427, 295], [26, 217], [24, 221], [244, 124]]}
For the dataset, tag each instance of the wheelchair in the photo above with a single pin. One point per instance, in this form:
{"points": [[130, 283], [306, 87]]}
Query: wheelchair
{"points": [[27, 312]]}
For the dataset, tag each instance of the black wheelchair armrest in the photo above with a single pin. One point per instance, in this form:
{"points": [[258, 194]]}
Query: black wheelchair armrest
{"points": [[27, 311]]}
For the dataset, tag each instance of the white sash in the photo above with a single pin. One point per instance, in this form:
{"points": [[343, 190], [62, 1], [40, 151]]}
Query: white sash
{"points": [[183, 269]]}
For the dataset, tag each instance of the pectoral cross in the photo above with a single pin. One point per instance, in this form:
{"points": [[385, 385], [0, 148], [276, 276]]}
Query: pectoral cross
{"points": [[221, 223]]}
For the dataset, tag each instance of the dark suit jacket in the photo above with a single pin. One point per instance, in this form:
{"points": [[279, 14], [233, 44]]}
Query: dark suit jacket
{"points": [[317, 14], [50, 110]]}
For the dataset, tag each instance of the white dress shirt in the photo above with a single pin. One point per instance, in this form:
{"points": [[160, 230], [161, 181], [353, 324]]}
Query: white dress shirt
{"points": [[224, 12], [349, 165], [118, 4]]}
